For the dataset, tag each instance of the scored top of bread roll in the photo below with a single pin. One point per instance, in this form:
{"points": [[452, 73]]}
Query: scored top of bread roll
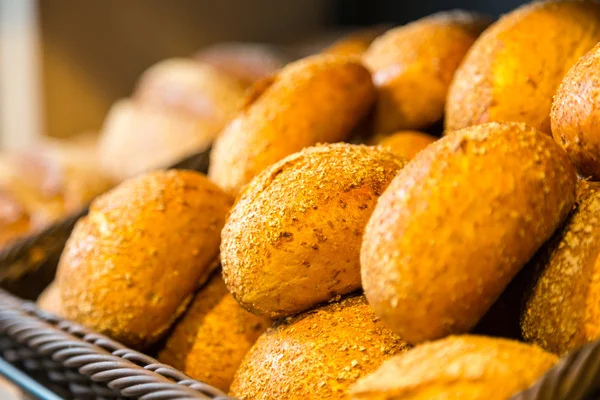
{"points": [[458, 367]]}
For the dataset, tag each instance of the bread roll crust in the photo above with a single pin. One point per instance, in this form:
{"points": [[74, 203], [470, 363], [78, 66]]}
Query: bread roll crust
{"points": [[317, 354], [49, 299], [462, 367], [406, 144], [413, 65], [213, 336], [130, 266], [560, 311], [294, 112], [514, 68], [293, 238], [458, 223]]}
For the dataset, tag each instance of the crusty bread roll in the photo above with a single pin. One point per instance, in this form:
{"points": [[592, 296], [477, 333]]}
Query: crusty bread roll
{"points": [[293, 238], [560, 310], [413, 66], [317, 99], [514, 68], [575, 116], [213, 336], [49, 299], [457, 224], [458, 367], [406, 144], [131, 266], [316, 355]]}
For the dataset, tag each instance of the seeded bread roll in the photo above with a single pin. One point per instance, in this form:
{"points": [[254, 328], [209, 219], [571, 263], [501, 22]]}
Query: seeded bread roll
{"points": [[314, 100], [514, 68], [458, 367], [213, 336], [131, 266], [293, 238], [49, 300], [317, 354], [575, 116], [561, 309], [413, 65], [406, 144], [458, 223]]}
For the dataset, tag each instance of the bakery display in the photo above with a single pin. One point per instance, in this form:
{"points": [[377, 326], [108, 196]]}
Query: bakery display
{"points": [[514, 68], [213, 336], [316, 355], [132, 264], [413, 65], [406, 144], [458, 367], [291, 111], [457, 224]]}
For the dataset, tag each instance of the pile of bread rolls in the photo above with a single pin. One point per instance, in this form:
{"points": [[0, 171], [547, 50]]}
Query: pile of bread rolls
{"points": [[306, 267]]}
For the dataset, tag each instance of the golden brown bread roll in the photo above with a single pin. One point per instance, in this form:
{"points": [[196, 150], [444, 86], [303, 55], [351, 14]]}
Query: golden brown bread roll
{"points": [[413, 65], [49, 299], [575, 115], [458, 367], [406, 144], [293, 238], [317, 354], [457, 224], [356, 43], [560, 310], [314, 100], [514, 68], [131, 266], [213, 336]]}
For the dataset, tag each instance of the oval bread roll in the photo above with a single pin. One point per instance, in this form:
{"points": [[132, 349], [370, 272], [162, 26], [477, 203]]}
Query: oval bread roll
{"points": [[317, 354], [314, 100], [413, 65], [561, 309], [514, 68], [458, 223], [213, 336], [132, 264], [458, 367], [406, 144], [575, 115], [356, 43], [49, 299], [293, 238]]}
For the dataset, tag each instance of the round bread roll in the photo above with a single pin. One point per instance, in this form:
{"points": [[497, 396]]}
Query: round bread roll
{"points": [[515, 67], [458, 223], [132, 264], [49, 299], [213, 336], [406, 144], [293, 238], [314, 100], [575, 115], [458, 367], [317, 354], [356, 43], [413, 65], [247, 62], [560, 311]]}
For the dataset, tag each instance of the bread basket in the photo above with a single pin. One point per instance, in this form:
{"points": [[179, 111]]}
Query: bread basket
{"points": [[49, 356]]}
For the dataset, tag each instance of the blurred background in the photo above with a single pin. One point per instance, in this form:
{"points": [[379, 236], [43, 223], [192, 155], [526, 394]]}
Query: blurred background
{"points": [[64, 62]]}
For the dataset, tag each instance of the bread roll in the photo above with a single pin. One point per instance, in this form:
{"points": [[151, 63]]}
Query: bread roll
{"points": [[356, 43], [49, 299], [214, 335], [316, 355], [413, 65], [515, 67], [317, 99], [560, 311], [131, 266], [293, 238], [575, 115], [457, 224], [458, 367], [406, 144]]}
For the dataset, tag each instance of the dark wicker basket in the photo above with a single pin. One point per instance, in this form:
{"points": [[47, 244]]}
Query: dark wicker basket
{"points": [[76, 363]]}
